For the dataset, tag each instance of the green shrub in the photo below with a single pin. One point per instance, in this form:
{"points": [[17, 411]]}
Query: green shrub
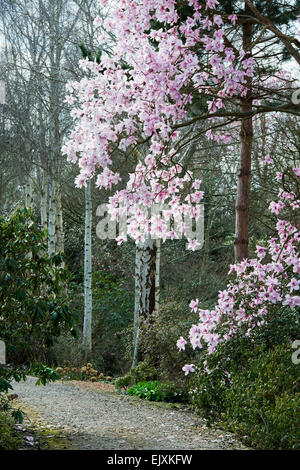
{"points": [[264, 401], [158, 337], [255, 392], [34, 308], [231, 359], [141, 373], [112, 315], [123, 382], [9, 439], [157, 391]]}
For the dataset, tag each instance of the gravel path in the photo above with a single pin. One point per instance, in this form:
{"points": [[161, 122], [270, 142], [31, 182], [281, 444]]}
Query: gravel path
{"points": [[105, 420]]}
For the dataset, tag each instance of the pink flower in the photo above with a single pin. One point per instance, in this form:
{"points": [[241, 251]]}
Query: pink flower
{"points": [[194, 305], [275, 208], [233, 18], [188, 368], [193, 245], [294, 284], [292, 301], [268, 160], [297, 171], [261, 251], [181, 343], [258, 287]]}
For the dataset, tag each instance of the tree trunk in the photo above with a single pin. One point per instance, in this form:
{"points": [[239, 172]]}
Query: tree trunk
{"points": [[52, 216], [59, 225], [148, 278], [157, 274], [44, 201], [29, 192], [243, 190], [87, 324], [137, 303], [146, 289]]}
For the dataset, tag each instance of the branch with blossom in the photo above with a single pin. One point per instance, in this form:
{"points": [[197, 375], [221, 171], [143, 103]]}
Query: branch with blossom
{"points": [[144, 87], [271, 279]]}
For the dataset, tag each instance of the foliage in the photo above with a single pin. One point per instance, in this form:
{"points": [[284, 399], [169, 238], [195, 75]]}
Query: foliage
{"points": [[7, 375], [10, 373], [112, 315], [33, 304], [158, 340], [157, 391], [144, 371], [9, 439], [252, 387], [263, 402]]}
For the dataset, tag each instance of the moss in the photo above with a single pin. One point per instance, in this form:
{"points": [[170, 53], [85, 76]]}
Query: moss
{"points": [[52, 439], [47, 438]]}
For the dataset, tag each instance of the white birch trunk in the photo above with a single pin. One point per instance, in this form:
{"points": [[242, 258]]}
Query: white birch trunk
{"points": [[44, 201], [87, 323], [29, 193], [145, 291], [137, 309], [29, 202], [157, 274], [52, 216], [59, 225]]}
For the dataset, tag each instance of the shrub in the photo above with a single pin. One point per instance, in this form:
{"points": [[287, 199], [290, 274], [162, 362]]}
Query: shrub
{"points": [[9, 439], [34, 308], [141, 373], [112, 314], [255, 392], [158, 341], [263, 402], [157, 391]]}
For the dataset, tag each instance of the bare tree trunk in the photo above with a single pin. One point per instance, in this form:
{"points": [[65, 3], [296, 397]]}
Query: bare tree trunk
{"points": [[157, 274], [148, 278], [137, 303], [59, 225], [29, 192], [243, 190], [52, 216], [87, 323], [44, 201], [146, 289]]}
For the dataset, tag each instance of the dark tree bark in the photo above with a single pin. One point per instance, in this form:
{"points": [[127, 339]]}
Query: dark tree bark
{"points": [[244, 176]]}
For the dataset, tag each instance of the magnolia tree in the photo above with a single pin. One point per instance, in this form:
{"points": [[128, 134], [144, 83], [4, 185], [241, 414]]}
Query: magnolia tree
{"points": [[140, 93], [260, 284]]}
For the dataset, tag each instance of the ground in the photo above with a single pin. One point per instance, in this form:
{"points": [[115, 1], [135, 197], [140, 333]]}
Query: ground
{"points": [[78, 415]]}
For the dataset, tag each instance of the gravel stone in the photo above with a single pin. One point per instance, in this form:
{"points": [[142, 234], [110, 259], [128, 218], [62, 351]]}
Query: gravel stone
{"points": [[102, 420]]}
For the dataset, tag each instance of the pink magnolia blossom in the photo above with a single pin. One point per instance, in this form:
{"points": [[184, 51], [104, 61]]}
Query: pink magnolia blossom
{"points": [[268, 160], [181, 343], [257, 286], [188, 368], [117, 107]]}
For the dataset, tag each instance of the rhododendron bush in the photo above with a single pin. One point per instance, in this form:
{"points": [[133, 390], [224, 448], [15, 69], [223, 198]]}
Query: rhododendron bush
{"points": [[141, 91], [262, 289]]}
